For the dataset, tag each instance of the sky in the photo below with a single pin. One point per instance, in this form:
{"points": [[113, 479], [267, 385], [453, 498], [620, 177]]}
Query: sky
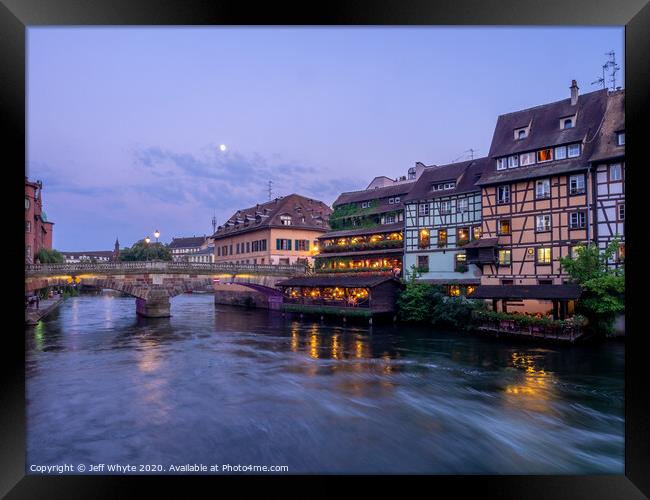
{"points": [[124, 125]]}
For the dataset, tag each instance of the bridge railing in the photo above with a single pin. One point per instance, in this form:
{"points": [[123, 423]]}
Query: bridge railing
{"points": [[163, 267]]}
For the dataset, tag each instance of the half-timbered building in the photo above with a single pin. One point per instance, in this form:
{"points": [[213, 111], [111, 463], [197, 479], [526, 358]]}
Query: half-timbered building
{"points": [[536, 202], [442, 215], [608, 163]]}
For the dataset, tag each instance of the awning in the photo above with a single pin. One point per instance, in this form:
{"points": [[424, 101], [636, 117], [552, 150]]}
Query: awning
{"points": [[541, 292], [482, 243], [340, 281]]}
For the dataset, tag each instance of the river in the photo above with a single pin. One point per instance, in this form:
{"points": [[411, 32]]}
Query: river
{"points": [[224, 385]]}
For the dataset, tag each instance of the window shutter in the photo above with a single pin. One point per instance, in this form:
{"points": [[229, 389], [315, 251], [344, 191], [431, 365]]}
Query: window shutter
{"points": [[288, 244], [277, 244]]}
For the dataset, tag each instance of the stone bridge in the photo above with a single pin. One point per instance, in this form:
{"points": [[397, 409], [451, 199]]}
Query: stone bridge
{"points": [[154, 283]]}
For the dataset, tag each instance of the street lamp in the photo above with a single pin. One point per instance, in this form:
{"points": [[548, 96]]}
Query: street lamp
{"points": [[156, 234], [147, 240]]}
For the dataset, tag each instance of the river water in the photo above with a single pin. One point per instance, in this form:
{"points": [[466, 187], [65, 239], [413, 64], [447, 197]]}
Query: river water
{"points": [[224, 385]]}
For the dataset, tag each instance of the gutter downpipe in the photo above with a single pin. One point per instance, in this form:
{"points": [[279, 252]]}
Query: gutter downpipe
{"points": [[591, 184]]}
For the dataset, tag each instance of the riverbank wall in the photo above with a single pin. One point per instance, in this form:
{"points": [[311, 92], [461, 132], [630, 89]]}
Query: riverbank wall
{"points": [[33, 315]]}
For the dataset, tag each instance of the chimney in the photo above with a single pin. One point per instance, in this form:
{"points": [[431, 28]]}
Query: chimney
{"points": [[574, 93]]}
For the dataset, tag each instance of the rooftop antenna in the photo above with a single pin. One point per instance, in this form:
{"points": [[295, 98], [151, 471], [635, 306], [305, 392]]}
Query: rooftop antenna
{"points": [[471, 152], [270, 189], [214, 221], [613, 67]]}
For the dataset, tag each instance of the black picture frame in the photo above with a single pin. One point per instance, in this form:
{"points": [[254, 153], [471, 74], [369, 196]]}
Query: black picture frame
{"points": [[17, 15]]}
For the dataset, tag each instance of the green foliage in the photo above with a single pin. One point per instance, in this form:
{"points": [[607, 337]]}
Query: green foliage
{"points": [[603, 286], [329, 310], [142, 250], [456, 312], [525, 321], [378, 245], [46, 256], [416, 301]]}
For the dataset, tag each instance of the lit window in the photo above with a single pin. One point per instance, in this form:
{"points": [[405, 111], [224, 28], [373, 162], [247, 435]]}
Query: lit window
{"points": [[454, 290], [462, 236], [573, 150], [513, 161], [442, 237], [527, 159], [567, 123], [503, 194], [423, 209], [543, 223], [502, 163], [621, 252], [445, 207], [577, 220], [544, 155], [424, 238], [504, 257], [543, 188], [621, 211], [620, 138], [560, 153], [476, 232], [462, 205], [544, 255], [504, 226], [615, 172], [577, 184]]}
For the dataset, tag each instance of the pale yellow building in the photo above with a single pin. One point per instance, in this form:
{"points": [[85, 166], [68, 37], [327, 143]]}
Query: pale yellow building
{"points": [[280, 231]]}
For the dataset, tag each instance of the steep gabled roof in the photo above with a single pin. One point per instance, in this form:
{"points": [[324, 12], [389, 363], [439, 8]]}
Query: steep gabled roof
{"points": [[305, 213], [606, 143], [544, 122], [373, 194], [188, 242]]}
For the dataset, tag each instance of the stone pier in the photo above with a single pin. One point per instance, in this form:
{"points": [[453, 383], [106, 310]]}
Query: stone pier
{"points": [[156, 305]]}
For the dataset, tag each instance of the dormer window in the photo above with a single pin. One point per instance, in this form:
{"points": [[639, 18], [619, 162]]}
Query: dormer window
{"points": [[411, 173], [391, 201], [544, 155], [396, 199], [566, 123], [527, 159], [285, 220], [521, 133], [365, 204], [620, 138], [502, 163]]}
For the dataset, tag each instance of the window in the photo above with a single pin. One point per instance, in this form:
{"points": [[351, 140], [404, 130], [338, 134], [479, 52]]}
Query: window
{"points": [[218, 251], [423, 263], [502, 163], [621, 252], [412, 173], [423, 238], [476, 232], [460, 263], [521, 133], [397, 199], [442, 238], [544, 282], [445, 207], [560, 153], [462, 205], [544, 255], [620, 138], [28, 226], [462, 236], [567, 123], [26, 203], [573, 150], [574, 251], [577, 220], [507, 282], [527, 159], [449, 185], [544, 155], [423, 209], [391, 201], [543, 188], [513, 161], [389, 219], [302, 245], [365, 204], [504, 226], [282, 244], [28, 251], [615, 172], [620, 211], [577, 184], [248, 247], [543, 223], [285, 220], [504, 257], [503, 194]]}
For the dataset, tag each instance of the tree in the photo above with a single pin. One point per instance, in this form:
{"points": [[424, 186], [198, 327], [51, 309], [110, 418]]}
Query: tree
{"points": [[141, 250], [416, 301], [46, 256], [603, 286]]}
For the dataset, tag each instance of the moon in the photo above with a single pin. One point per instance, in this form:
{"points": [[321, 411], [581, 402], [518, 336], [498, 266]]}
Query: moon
{"points": [[222, 147]]}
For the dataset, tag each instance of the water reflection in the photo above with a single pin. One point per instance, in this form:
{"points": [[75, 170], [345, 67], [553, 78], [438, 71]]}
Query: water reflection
{"points": [[253, 386]]}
